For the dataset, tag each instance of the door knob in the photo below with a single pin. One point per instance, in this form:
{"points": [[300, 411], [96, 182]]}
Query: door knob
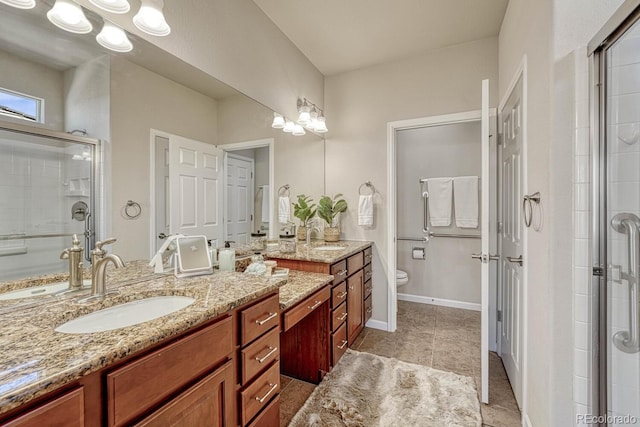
{"points": [[162, 236], [517, 260]]}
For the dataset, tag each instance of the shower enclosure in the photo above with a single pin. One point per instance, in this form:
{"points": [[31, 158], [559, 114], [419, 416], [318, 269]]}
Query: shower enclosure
{"points": [[616, 219]]}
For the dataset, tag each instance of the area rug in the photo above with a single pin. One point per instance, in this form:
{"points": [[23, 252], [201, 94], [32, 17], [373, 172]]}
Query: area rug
{"points": [[365, 390]]}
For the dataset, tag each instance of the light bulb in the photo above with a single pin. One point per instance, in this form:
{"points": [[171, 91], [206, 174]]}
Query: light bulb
{"points": [[298, 130], [321, 126], [69, 16], [278, 121], [114, 38], [113, 6], [150, 18], [20, 4], [289, 126]]}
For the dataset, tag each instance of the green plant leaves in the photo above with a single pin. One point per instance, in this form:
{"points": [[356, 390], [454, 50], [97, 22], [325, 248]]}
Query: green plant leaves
{"points": [[329, 208], [303, 210]]}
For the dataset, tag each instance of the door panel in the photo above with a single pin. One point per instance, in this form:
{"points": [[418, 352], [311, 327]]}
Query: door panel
{"points": [[240, 200], [510, 215]]}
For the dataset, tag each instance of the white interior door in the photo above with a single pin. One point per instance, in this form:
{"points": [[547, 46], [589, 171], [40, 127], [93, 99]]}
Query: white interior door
{"points": [[161, 187], [196, 191], [239, 218], [510, 238], [484, 271]]}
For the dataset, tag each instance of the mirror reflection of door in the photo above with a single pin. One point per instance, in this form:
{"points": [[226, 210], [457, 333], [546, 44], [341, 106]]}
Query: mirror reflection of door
{"points": [[161, 190], [240, 199]]}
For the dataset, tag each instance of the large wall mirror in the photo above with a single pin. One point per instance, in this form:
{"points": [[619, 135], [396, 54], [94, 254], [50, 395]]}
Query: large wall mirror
{"points": [[148, 109]]}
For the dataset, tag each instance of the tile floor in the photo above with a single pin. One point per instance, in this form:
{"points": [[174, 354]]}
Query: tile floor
{"points": [[441, 337]]}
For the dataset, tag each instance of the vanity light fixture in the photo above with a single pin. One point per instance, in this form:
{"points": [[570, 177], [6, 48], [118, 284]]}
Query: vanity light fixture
{"points": [[150, 18], [113, 6], [278, 121], [298, 130], [69, 16], [114, 38], [20, 4], [311, 116], [289, 126], [304, 111], [321, 126]]}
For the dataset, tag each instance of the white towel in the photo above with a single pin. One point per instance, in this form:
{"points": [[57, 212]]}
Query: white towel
{"points": [[284, 209], [465, 198], [440, 190], [365, 210], [266, 204]]}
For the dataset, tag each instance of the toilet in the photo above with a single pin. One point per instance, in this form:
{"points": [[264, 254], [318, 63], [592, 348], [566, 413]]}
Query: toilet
{"points": [[402, 278]]}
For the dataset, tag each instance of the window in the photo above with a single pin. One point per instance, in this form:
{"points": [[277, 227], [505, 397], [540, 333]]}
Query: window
{"points": [[21, 106]]}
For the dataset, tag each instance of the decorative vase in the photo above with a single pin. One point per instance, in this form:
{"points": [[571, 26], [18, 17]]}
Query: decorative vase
{"points": [[302, 233], [331, 234]]}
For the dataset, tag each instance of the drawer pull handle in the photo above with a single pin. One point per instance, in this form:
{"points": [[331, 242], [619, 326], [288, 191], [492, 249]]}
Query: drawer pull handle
{"points": [[262, 399], [369, 310], [351, 288], [314, 306], [341, 295], [266, 356], [368, 274], [369, 257], [341, 273], [341, 318], [344, 343], [262, 322]]}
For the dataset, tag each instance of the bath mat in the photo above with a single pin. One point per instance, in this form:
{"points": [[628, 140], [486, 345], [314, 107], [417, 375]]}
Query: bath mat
{"points": [[365, 390]]}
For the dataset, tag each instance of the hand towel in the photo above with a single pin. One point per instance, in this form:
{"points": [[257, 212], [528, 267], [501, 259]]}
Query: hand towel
{"points": [[465, 199], [365, 210], [284, 209], [440, 190], [266, 204]]}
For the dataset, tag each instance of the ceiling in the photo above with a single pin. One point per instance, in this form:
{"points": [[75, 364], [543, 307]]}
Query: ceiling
{"points": [[344, 35]]}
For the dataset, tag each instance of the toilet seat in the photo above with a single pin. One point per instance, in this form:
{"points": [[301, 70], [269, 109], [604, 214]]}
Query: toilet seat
{"points": [[402, 278]]}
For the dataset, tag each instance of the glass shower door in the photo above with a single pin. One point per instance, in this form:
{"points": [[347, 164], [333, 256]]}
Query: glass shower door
{"points": [[622, 155]]}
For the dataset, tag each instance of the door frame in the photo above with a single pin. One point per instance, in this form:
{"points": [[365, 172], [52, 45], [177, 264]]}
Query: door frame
{"points": [[225, 192], [521, 72], [392, 245], [153, 133], [258, 143]]}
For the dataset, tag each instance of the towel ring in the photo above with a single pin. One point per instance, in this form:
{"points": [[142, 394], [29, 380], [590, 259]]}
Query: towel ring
{"points": [[367, 184], [132, 210], [528, 202], [284, 190]]}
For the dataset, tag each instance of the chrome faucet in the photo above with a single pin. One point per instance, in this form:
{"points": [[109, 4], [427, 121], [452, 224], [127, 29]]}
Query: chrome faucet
{"points": [[99, 282], [74, 255], [97, 254], [309, 231]]}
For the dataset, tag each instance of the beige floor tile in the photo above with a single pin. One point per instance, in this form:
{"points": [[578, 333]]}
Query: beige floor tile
{"points": [[292, 398], [284, 381], [497, 416]]}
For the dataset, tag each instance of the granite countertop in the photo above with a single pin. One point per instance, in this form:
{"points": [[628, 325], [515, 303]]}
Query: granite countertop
{"points": [[36, 360], [304, 253], [300, 285]]}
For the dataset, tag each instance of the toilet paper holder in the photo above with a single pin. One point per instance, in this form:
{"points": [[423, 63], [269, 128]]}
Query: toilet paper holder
{"points": [[418, 252]]}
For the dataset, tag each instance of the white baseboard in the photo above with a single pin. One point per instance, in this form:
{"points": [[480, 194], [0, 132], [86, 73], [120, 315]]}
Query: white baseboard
{"points": [[526, 422], [377, 324], [441, 302]]}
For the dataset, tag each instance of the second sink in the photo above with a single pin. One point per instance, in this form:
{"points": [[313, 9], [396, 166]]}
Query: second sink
{"points": [[123, 315], [37, 291]]}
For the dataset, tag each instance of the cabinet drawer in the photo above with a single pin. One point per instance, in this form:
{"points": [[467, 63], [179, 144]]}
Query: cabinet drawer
{"points": [[355, 263], [209, 402], [368, 309], [259, 393], [260, 354], [135, 387], [300, 311], [367, 272], [338, 316], [338, 343], [339, 271], [338, 294], [368, 288], [368, 255], [258, 319], [270, 416], [65, 410]]}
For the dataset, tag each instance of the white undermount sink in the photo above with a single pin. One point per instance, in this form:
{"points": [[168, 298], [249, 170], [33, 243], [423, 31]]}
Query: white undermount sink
{"points": [[38, 291], [123, 315], [329, 248]]}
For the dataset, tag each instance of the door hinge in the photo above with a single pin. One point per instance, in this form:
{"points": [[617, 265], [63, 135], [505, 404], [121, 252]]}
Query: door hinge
{"points": [[499, 315], [598, 271], [500, 138], [251, 216]]}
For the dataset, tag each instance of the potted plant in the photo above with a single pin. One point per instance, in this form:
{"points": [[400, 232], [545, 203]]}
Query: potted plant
{"points": [[304, 210], [328, 210]]}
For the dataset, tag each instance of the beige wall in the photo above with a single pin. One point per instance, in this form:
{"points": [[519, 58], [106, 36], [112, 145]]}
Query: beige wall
{"points": [[234, 41], [361, 103], [141, 101], [36, 80]]}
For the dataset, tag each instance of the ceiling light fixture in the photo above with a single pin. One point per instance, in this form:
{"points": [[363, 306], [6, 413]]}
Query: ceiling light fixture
{"points": [[113, 6], [20, 4], [69, 16], [278, 121], [150, 18], [114, 38]]}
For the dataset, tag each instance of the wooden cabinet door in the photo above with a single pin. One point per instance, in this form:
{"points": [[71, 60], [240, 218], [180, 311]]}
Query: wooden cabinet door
{"points": [[354, 305], [66, 410], [208, 403]]}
